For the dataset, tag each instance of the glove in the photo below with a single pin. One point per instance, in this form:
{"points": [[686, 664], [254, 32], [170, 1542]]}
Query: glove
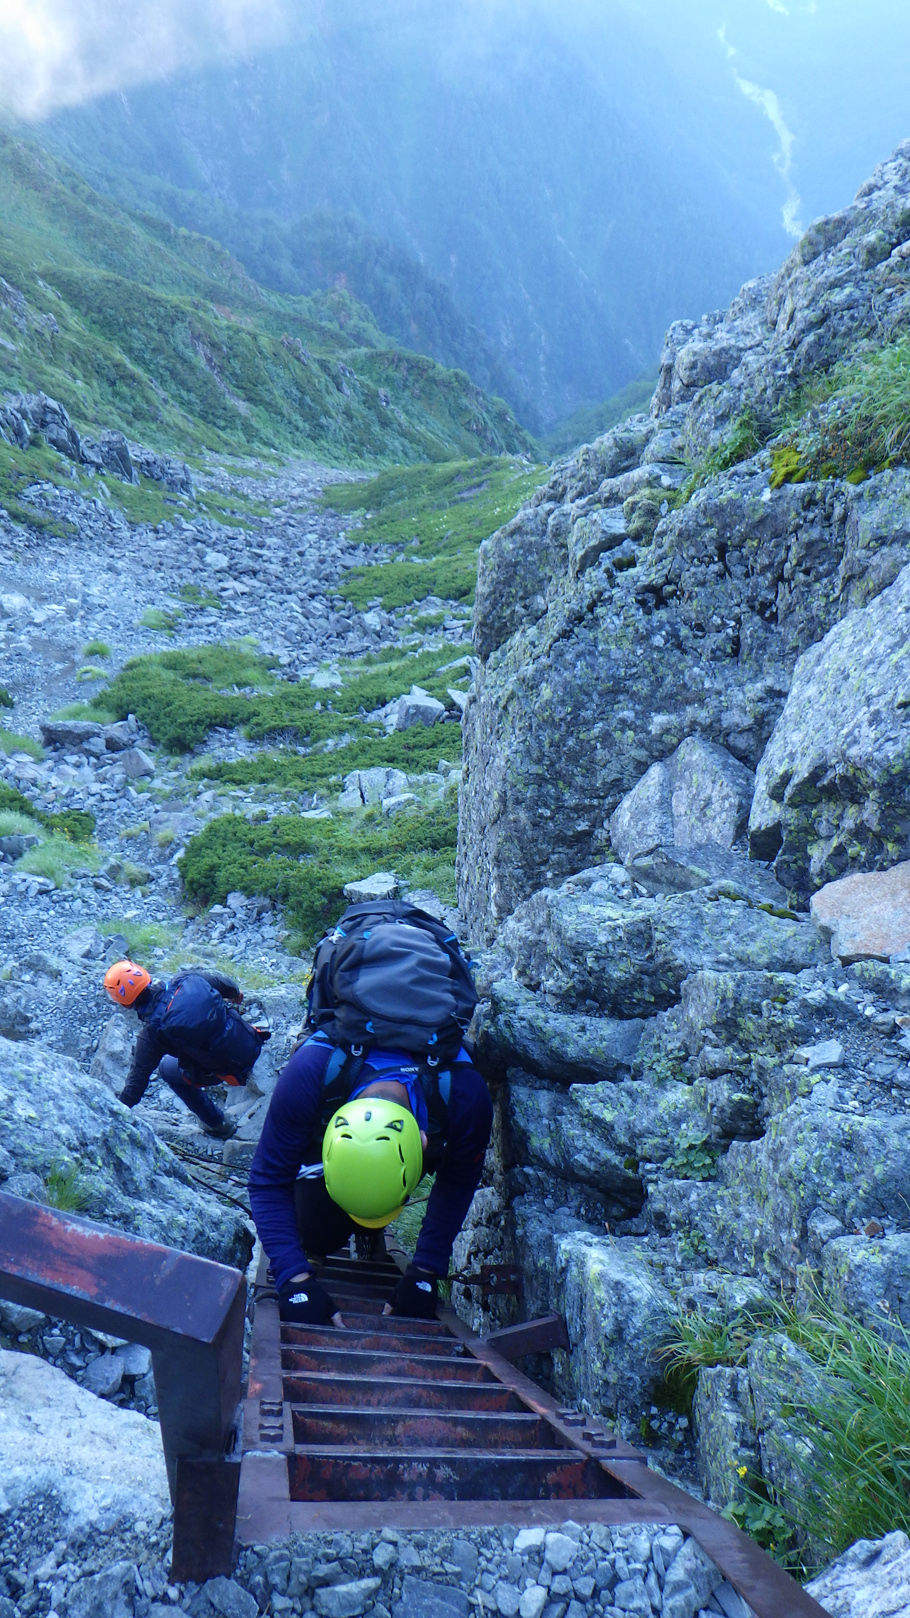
{"points": [[305, 1303], [122, 1099], [416, 1294]]}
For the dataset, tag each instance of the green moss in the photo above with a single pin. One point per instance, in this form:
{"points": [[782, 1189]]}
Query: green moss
{"points": [[304, 864], [161, 618], [11, 743], [194, 596], [6, 700], [435, 517]]}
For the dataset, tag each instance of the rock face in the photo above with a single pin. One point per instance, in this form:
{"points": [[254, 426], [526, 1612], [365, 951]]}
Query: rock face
{"points": [[690, 712], [613, 622], [54, 1120], [72, 1465], [833, 783], [866, 916]]}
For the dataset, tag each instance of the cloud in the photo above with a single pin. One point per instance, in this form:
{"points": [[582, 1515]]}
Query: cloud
{"points": [[776, 5], [767, 102], [56, 53]]}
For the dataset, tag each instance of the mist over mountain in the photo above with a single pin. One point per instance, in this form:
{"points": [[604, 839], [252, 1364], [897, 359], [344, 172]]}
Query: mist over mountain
{"points": [[529, 192], [553, 191]]}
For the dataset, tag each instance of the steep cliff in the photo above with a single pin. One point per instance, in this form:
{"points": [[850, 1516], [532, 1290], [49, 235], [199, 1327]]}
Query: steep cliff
{"points": [[690, 714], [665, 581]]}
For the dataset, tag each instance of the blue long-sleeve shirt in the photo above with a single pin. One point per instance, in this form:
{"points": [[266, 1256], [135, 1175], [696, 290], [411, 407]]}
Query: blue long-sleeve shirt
{"points": [[292, 1138]]}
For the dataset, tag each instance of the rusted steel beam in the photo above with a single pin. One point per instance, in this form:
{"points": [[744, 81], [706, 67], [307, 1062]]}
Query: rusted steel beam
{"points": [[373, 1363], [420, 1428], [187, 1310], [367, 1336], [392, 1391], [205, 1514], [264, 1514], [539, 1336], [326, 1473]]}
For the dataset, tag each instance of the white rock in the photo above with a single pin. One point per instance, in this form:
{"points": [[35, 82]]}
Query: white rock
{"points": [[62, 1449], [828, 1053], [382, 885], [401, 800], [870, 1580]]}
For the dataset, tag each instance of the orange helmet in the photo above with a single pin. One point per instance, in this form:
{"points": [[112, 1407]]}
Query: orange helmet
{"points": [[125, 981]]}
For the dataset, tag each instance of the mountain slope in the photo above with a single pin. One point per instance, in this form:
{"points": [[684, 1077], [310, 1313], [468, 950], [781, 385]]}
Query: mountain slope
{"points": [[565, 202], [133, 323]]}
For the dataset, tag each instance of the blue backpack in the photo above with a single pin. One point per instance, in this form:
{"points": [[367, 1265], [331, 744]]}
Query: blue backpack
{"points": [[208, 1035]]}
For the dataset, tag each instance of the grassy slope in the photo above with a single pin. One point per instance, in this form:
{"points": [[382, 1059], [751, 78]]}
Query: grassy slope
{"points": [[312, 736], [136, 324]]}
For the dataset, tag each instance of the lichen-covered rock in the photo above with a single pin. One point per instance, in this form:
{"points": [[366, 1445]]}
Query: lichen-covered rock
{"points": [[56, 1120], [553, 1136], [588, 950], [700, 794], [832, 785], [726, 1448], [614, 1304], [869, 1277], [678, 870], [516, 1028], [822, 1151], [785, 1384], [605, 641]]}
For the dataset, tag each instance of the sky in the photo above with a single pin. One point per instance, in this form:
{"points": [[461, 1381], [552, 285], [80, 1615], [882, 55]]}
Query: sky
{"points": [[57, 53]]}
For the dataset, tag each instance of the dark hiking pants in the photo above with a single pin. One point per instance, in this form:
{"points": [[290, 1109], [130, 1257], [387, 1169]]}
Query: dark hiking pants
{"points": [[199, 1101]]}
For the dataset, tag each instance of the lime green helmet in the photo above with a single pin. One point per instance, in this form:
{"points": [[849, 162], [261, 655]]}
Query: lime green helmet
{"points": [[372, 1156]]}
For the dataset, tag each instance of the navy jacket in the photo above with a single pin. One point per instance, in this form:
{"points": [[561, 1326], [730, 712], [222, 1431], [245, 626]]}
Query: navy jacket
{"points": [[292, 1138], [152, 1044]]}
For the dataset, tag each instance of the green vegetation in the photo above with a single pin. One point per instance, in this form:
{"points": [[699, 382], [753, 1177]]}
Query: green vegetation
{"points": [[695, 1158], [96, 648], [57, 857], [434, 517], [15, 824], [180, 695], [76, 825], [66, 1188], [591, 421], [305, 863], [21, 469], [144, 939], [194, 596], [6, 701], [853, 421], [851, 1421], [161, 619], [744, 439], [65, 837], [10, 742], [135, 324]]}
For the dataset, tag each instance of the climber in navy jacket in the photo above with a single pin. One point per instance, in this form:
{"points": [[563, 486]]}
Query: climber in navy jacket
{"points": [[341, 1113], [191, 1032]]}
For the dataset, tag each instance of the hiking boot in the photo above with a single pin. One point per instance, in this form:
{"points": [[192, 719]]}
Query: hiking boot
{"points": [[223, 1130]]}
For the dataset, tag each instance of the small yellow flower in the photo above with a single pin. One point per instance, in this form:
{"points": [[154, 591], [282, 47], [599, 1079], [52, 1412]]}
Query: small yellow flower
{"points": [[741, 1471]]}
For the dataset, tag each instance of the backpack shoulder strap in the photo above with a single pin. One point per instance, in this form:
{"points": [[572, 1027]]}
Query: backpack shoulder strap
{"points": [[339, 1078]]}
